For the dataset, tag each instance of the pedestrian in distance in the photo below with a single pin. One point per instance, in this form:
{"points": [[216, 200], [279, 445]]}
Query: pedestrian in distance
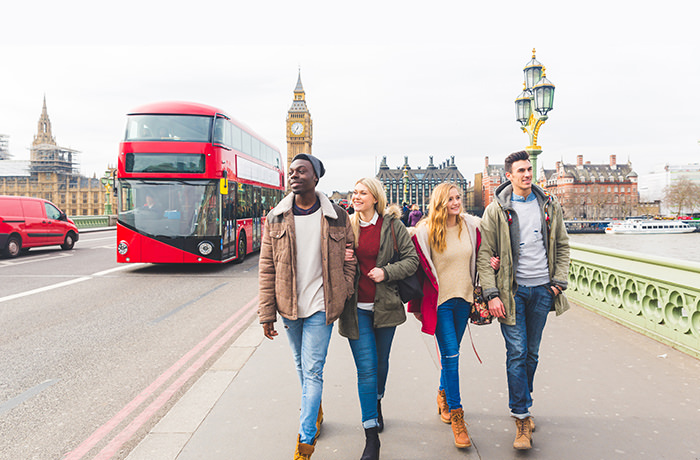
{"points": [[524, 227], [375, 309], [447, 242], [304, 277], [414, 216], [405, 211]]}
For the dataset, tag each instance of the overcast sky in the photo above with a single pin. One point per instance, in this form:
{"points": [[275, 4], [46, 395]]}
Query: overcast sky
{"points": [[387, 79]]}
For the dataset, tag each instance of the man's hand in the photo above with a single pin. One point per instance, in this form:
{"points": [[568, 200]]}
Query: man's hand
{"points": [[269, 330], [496, 308]]}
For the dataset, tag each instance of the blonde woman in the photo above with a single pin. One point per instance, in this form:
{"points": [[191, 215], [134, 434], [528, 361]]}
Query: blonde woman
{"points": [[373, 312], [447, 242]]}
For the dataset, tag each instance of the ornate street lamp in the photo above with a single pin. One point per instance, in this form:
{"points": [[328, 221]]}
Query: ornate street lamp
{"points": [[532, 106]]}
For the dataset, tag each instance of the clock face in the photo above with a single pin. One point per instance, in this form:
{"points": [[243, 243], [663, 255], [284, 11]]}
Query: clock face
{"points": [[297, 128]]}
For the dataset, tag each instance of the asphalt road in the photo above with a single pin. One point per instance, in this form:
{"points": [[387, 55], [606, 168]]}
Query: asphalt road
{"points": [[93, 353]]}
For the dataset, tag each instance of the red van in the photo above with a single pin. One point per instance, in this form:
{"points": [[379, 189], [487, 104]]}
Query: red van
{"points": [[31, 222]]}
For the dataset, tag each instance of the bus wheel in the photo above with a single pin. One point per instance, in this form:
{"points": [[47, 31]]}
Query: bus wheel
{"points": [[13, 248], [241, 248], [69, 242]]}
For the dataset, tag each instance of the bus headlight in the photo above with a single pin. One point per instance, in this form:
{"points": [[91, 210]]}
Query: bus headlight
{"points": [[122, 247], [205, 248]]}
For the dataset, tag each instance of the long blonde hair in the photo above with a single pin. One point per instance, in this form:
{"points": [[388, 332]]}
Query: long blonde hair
{"points": [[437, 216], [377, 190]]}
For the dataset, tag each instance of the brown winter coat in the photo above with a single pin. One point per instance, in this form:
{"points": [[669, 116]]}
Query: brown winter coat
{"points": [[277, 263]]}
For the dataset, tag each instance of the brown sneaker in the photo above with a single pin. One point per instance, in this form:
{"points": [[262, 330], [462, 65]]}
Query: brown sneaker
{"points": [[303, 451], [443, 408], [459, 429], [523, 435]]}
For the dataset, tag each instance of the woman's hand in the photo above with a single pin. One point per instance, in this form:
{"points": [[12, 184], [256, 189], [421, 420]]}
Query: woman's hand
{"points": [[376, 275], [495, 263], [419, 316], [349, 253]]}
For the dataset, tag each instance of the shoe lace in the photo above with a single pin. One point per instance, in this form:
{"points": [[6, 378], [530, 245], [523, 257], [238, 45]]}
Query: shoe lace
{"points": [[522, 425], [458, 422]]}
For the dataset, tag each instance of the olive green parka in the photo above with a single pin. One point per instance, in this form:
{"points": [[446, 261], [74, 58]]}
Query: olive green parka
{"points": [[388, 308], [500, 236]]}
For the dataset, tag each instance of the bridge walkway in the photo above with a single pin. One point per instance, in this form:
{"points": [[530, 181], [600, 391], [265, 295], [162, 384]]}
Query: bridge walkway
{"points": [[601, 392]]}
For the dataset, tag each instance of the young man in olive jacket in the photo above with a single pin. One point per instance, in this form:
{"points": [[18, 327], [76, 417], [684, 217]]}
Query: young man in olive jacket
{"points": [[304, 277], [524, 227]]}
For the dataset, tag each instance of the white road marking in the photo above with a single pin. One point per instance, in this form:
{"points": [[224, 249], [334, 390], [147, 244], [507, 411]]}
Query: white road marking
{"points": [[65, 283]]}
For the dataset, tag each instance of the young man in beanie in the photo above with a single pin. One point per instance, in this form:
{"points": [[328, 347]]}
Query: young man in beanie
{"points": [[305, 278], [524, 226]]}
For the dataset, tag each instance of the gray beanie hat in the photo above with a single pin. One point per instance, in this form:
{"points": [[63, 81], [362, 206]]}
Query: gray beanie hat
{"points": [[315, 162]]}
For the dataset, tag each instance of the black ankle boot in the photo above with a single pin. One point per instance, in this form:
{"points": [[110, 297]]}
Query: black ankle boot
{"points": [[380, 417], [371, 451]]}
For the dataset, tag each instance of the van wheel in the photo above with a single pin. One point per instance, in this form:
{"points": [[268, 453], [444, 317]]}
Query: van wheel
{"points": [[241, 248], [14, 247], [69, 242]]}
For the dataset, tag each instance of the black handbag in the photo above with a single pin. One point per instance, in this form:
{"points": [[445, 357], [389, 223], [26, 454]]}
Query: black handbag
{"points": [[409, 287]]}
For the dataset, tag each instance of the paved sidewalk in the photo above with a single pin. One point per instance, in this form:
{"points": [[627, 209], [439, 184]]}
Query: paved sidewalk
{"points": [[601, 392]]}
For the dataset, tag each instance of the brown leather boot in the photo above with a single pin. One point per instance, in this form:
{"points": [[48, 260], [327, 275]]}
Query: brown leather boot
{"points": [[443, 408], [303, 451], [523, 435], [459, 429]]}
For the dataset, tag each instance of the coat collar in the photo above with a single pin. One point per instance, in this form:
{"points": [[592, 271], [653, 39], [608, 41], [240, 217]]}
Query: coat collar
{"points": [[287, 202]]}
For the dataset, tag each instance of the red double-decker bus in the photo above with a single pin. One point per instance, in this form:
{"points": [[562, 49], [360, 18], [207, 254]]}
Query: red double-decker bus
{"points": [[194, 186]]}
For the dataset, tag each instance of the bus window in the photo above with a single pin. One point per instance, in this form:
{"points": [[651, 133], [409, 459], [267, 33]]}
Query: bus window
{"points": [[236, 135], [256, 149], [183, 128], [246, 147]]}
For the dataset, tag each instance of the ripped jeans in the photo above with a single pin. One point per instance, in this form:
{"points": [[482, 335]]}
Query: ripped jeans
{"points": [[452, 316]]}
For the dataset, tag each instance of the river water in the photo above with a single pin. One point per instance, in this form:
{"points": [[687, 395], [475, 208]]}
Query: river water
{"points": [[683, 246]]}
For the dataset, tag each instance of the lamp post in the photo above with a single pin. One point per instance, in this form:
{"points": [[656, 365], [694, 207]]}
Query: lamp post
{"points": [[108, 183], [532, 106]]}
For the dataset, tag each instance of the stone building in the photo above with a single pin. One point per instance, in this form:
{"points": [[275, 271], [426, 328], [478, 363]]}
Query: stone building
{"points": [[413, 186], [585, 190], [51, 173], [594, 191]]}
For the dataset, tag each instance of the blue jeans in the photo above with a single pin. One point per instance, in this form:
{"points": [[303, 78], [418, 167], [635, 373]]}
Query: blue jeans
{"points": [[452, 316], [309, 339], [371, 353], [532, 304]]}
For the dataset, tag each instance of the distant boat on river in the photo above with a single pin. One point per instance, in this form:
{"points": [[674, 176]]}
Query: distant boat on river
{"points": [[642, 227]]}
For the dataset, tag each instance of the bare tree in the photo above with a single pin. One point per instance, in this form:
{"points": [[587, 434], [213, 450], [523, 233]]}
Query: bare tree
{"points": [[682, 194]]}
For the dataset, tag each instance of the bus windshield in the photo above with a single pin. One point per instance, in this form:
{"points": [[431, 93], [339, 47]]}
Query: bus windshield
{"points": [[172, 208], [182, 128]]}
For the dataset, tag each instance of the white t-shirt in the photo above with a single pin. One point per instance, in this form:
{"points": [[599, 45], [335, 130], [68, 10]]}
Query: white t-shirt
{"points": [[310, 298]]}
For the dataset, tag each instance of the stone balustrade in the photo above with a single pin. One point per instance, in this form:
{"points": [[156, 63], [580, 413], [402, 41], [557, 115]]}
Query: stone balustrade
{"points": [[656, 296], [84, 222]]}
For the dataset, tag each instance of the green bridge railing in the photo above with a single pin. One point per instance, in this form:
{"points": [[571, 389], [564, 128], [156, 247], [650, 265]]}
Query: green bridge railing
{"points": [[84, 222], [655, 296]]}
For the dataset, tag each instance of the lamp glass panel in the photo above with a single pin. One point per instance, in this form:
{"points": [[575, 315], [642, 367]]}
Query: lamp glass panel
{"points": [[532, 76]]}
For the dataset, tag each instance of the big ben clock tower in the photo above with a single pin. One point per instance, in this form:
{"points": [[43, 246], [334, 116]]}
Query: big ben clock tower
{"points": [[299, 125]]}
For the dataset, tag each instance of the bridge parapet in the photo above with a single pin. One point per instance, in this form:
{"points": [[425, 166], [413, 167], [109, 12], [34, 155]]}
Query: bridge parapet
{"points": [[84, 222], [656, 296]]}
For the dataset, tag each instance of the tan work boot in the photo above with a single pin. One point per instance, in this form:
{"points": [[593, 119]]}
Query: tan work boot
{"points": [[523, 435], [443, 408], [319, 421], [532, 423], [459, 429], [303, 451]]}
